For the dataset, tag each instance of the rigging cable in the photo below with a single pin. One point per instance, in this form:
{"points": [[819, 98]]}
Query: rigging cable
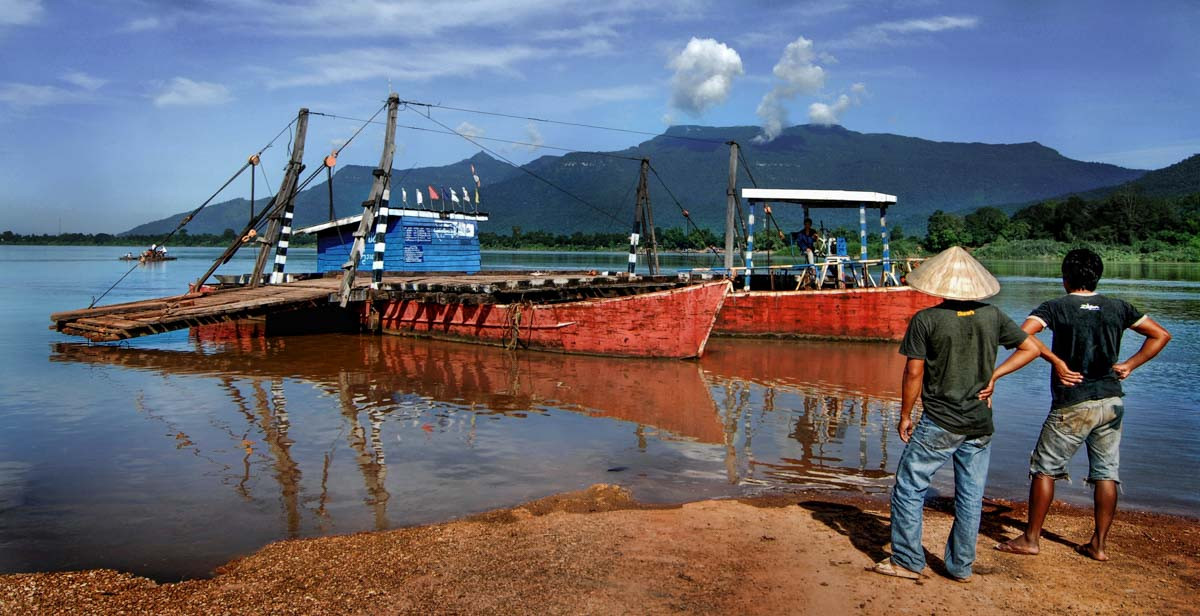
{"points": [[686, 215], [481, 138], [534, 175], [186, 219], [563, 123]]}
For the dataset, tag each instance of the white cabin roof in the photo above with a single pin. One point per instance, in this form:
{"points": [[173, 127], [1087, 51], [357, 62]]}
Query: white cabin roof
{"points": [[819, 198], [395, 211]]}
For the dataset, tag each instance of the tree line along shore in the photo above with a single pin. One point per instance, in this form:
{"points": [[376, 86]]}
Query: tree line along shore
{"points": [[1121, 227]]}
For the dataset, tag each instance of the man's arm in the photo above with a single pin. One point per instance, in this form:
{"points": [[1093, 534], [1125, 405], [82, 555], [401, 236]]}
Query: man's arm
{"points": [[910, 388], [1026, 352], [1156, 339], [1065, 375]]}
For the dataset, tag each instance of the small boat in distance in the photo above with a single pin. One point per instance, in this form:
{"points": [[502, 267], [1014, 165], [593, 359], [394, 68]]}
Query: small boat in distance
{"points": [[150, 255]]}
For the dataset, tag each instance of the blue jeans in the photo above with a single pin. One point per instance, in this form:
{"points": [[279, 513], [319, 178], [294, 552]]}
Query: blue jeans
{"points": [[926, 452]]}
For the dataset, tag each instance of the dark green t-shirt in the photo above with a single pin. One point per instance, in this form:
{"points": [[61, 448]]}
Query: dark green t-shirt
{"points": [[1087, 335], [959, 341]]}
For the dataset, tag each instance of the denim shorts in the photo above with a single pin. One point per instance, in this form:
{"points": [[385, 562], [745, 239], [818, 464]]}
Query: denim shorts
{"points": [[1094, 422]]}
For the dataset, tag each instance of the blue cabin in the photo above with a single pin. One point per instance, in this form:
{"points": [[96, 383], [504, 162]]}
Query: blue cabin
{"points": [[416, 241]]}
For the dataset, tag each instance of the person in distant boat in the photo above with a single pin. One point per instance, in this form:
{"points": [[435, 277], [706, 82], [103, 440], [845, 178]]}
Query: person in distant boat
{"points": [[806, 240], [951, 350], [1087, 330]]}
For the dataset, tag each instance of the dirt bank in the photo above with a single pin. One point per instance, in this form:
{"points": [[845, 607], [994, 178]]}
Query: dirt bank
{"points": [[597, 551]]}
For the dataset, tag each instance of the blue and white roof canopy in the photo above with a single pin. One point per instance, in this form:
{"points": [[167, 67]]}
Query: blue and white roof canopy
{"points": [[819, 198], [395, 211], [825, 199]]}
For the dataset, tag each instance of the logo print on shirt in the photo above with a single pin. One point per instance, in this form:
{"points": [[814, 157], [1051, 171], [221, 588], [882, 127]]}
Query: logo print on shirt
{"points": [[1088, 307], [966, 313]]}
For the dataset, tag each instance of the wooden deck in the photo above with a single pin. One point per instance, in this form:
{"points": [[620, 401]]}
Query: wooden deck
{"points": [[232, 302]]}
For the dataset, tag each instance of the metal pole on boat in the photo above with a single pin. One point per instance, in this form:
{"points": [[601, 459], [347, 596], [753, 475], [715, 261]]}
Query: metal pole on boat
{"points": [[888, 277], [749, 244], [862, 232], [635, 234], [731, 207]]}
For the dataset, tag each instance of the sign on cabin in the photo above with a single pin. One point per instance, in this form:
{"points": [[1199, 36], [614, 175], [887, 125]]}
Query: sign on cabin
{"points": [[416, 241]]}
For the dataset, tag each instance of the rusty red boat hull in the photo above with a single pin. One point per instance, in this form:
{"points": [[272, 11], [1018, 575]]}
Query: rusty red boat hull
{"points": [[675, 323], [879, 313]]}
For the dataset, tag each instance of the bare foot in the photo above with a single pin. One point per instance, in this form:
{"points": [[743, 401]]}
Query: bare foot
{"points": [[1020, 546], [1092, 552]]}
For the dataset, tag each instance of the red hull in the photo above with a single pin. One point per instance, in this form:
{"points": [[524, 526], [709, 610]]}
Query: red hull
{"points": [[669, 324], [880, 313]]}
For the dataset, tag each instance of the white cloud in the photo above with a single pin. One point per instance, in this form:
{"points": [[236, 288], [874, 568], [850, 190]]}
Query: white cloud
{"points": [[418, 64], [533, 136], [897, 32], [827, 115], [616, 94], [20, 12], [184, 91], [143, 24], [469, 130], [31, 95], [796, 73], [704, 73], [84, 81]]}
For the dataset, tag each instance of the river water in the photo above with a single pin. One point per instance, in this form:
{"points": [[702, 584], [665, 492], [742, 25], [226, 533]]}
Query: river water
{"points": [[166, 457]]}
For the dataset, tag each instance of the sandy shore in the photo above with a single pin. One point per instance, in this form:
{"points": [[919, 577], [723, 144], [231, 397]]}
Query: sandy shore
{"points": [[598, 551]]}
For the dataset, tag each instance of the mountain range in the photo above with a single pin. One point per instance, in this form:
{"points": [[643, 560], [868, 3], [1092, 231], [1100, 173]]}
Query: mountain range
{"points": [[595, 191]]}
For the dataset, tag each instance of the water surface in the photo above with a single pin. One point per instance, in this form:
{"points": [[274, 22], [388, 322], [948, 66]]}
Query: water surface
{"points": [[166, 456]]}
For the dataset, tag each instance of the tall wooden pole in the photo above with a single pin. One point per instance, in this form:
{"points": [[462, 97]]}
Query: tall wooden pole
{"points": [[379, 197], [284, 203], [282, 197], [731, 206], [647, 211]]}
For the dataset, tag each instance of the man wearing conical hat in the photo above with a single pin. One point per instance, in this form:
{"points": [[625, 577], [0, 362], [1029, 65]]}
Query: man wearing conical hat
{"points": [[951, 350]]}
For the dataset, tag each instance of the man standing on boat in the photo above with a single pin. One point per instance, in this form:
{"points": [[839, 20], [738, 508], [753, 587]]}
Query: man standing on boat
{"points": [[951, 350], [806, 240], [1087, 330]]}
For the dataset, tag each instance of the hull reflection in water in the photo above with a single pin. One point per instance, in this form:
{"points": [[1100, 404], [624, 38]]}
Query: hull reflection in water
{"points": [[311, 435], [824, 409]]}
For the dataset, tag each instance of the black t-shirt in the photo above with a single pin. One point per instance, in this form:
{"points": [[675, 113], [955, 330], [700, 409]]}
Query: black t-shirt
{"points": [[1087, 335], [959, 341]]}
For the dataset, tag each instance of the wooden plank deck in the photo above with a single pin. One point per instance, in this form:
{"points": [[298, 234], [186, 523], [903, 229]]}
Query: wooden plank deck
{"points": [[153, 316]]}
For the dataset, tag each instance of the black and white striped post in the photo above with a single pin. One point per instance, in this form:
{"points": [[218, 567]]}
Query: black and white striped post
{"points": [[381, 225], [281, 248]]}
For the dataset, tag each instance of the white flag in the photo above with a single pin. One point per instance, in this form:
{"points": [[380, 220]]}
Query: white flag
{"points": [[419, 200], [453, 196], [466, 195], [404, 195]]}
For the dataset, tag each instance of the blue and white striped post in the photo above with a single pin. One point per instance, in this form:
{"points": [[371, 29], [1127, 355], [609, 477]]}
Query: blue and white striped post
{"points": [[862, 233], [381, 225], [633, 244], [888, 277], [749, 246], [281, 249]]}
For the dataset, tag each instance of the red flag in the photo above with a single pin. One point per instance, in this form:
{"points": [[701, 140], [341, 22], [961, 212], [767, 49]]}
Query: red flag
{"points": [[433, 194]]}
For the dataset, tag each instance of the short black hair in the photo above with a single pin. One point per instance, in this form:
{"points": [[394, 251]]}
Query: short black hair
{"points": [[1081, 269], [808, 221]]}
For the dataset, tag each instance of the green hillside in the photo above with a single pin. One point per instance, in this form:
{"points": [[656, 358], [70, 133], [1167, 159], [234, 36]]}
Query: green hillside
{"points": [[925, 175]]}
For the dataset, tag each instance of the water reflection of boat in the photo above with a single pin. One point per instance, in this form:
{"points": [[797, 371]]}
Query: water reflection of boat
{"points": [[670, 396], [833, 402]]}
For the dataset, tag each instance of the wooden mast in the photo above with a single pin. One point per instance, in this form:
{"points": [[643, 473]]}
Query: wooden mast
{"points": [[285, 200], [645, 216], [380, 193], [285, 195], [731, 207]]}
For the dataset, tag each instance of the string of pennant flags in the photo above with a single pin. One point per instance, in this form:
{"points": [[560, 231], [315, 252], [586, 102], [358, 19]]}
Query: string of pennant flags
{"points": [[435, 194]]}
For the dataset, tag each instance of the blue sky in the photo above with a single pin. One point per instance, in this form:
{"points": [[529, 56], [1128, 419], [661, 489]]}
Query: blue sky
{"points": [[118, 112]]}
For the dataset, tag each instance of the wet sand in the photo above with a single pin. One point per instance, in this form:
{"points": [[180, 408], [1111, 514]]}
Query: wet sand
{"points": [[599, 551]]}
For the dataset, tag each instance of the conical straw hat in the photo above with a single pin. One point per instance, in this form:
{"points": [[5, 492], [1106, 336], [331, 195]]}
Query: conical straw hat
{"points": [[954, 274]]}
